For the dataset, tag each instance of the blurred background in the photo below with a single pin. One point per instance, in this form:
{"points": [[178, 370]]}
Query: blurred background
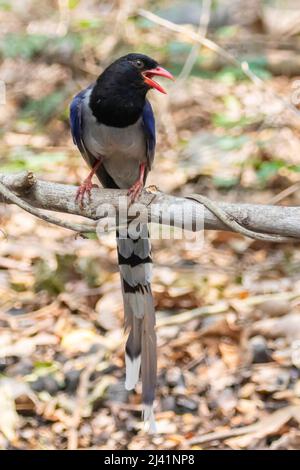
{"points": [[220, 133]]}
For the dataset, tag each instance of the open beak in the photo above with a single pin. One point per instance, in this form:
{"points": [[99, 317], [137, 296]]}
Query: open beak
{"points": [[159, 71]]}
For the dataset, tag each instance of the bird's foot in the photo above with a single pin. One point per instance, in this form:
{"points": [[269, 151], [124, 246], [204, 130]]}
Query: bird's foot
{"points": [[85, 188], [135, 191]]}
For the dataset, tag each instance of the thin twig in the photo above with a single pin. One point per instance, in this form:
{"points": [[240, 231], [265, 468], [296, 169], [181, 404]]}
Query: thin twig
{"points": [[182, 318], [189, 33], [222, 307], [64, 18], [267, 425], [194, 36], [222, 435], [120, 16], [229, 221], [285, 193], [202, 31]]}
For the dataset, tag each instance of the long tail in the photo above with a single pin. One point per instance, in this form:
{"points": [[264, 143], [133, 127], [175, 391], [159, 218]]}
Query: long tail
{"points": [[135, 265]]}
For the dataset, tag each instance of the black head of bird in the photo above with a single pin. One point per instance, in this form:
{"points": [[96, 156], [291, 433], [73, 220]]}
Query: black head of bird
{"points": [[119, 93], [135, 71]]}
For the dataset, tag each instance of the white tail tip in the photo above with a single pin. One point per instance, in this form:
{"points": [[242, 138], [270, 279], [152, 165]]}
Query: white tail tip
{"points": [[132, 371], [149, 419]]}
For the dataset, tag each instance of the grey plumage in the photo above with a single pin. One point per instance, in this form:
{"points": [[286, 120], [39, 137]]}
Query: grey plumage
{"points": [[115, 145], [140, 247], [136, 275]]}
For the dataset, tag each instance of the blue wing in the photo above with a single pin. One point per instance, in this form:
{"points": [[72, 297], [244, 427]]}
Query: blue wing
{"points": [[76, 117], [149, 126], [76, 120]]}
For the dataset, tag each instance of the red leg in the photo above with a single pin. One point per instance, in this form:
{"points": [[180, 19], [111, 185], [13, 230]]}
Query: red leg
{"points": [[87, 184], [135, 191]]}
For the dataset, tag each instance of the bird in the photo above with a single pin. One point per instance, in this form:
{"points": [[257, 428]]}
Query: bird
{"points": [[113, 125]]}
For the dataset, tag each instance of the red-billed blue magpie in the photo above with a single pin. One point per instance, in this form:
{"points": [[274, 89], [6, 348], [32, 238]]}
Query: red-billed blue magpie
{"points": [[113, 126]]}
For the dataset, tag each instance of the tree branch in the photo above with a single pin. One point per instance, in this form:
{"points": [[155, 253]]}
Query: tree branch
{"points": [[38, 196]]}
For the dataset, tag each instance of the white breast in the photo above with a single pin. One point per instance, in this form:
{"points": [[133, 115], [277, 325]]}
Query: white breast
{"points": [[122, 149]]}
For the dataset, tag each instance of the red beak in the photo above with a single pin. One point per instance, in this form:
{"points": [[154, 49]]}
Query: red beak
{"points": [[159, 71]]}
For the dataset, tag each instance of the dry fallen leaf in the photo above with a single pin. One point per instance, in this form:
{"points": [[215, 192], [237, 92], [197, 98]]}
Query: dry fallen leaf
{"points": [[230, 354]]}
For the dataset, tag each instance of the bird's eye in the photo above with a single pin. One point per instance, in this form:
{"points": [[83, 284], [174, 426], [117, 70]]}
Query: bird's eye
{"points": [[139, 63]]}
